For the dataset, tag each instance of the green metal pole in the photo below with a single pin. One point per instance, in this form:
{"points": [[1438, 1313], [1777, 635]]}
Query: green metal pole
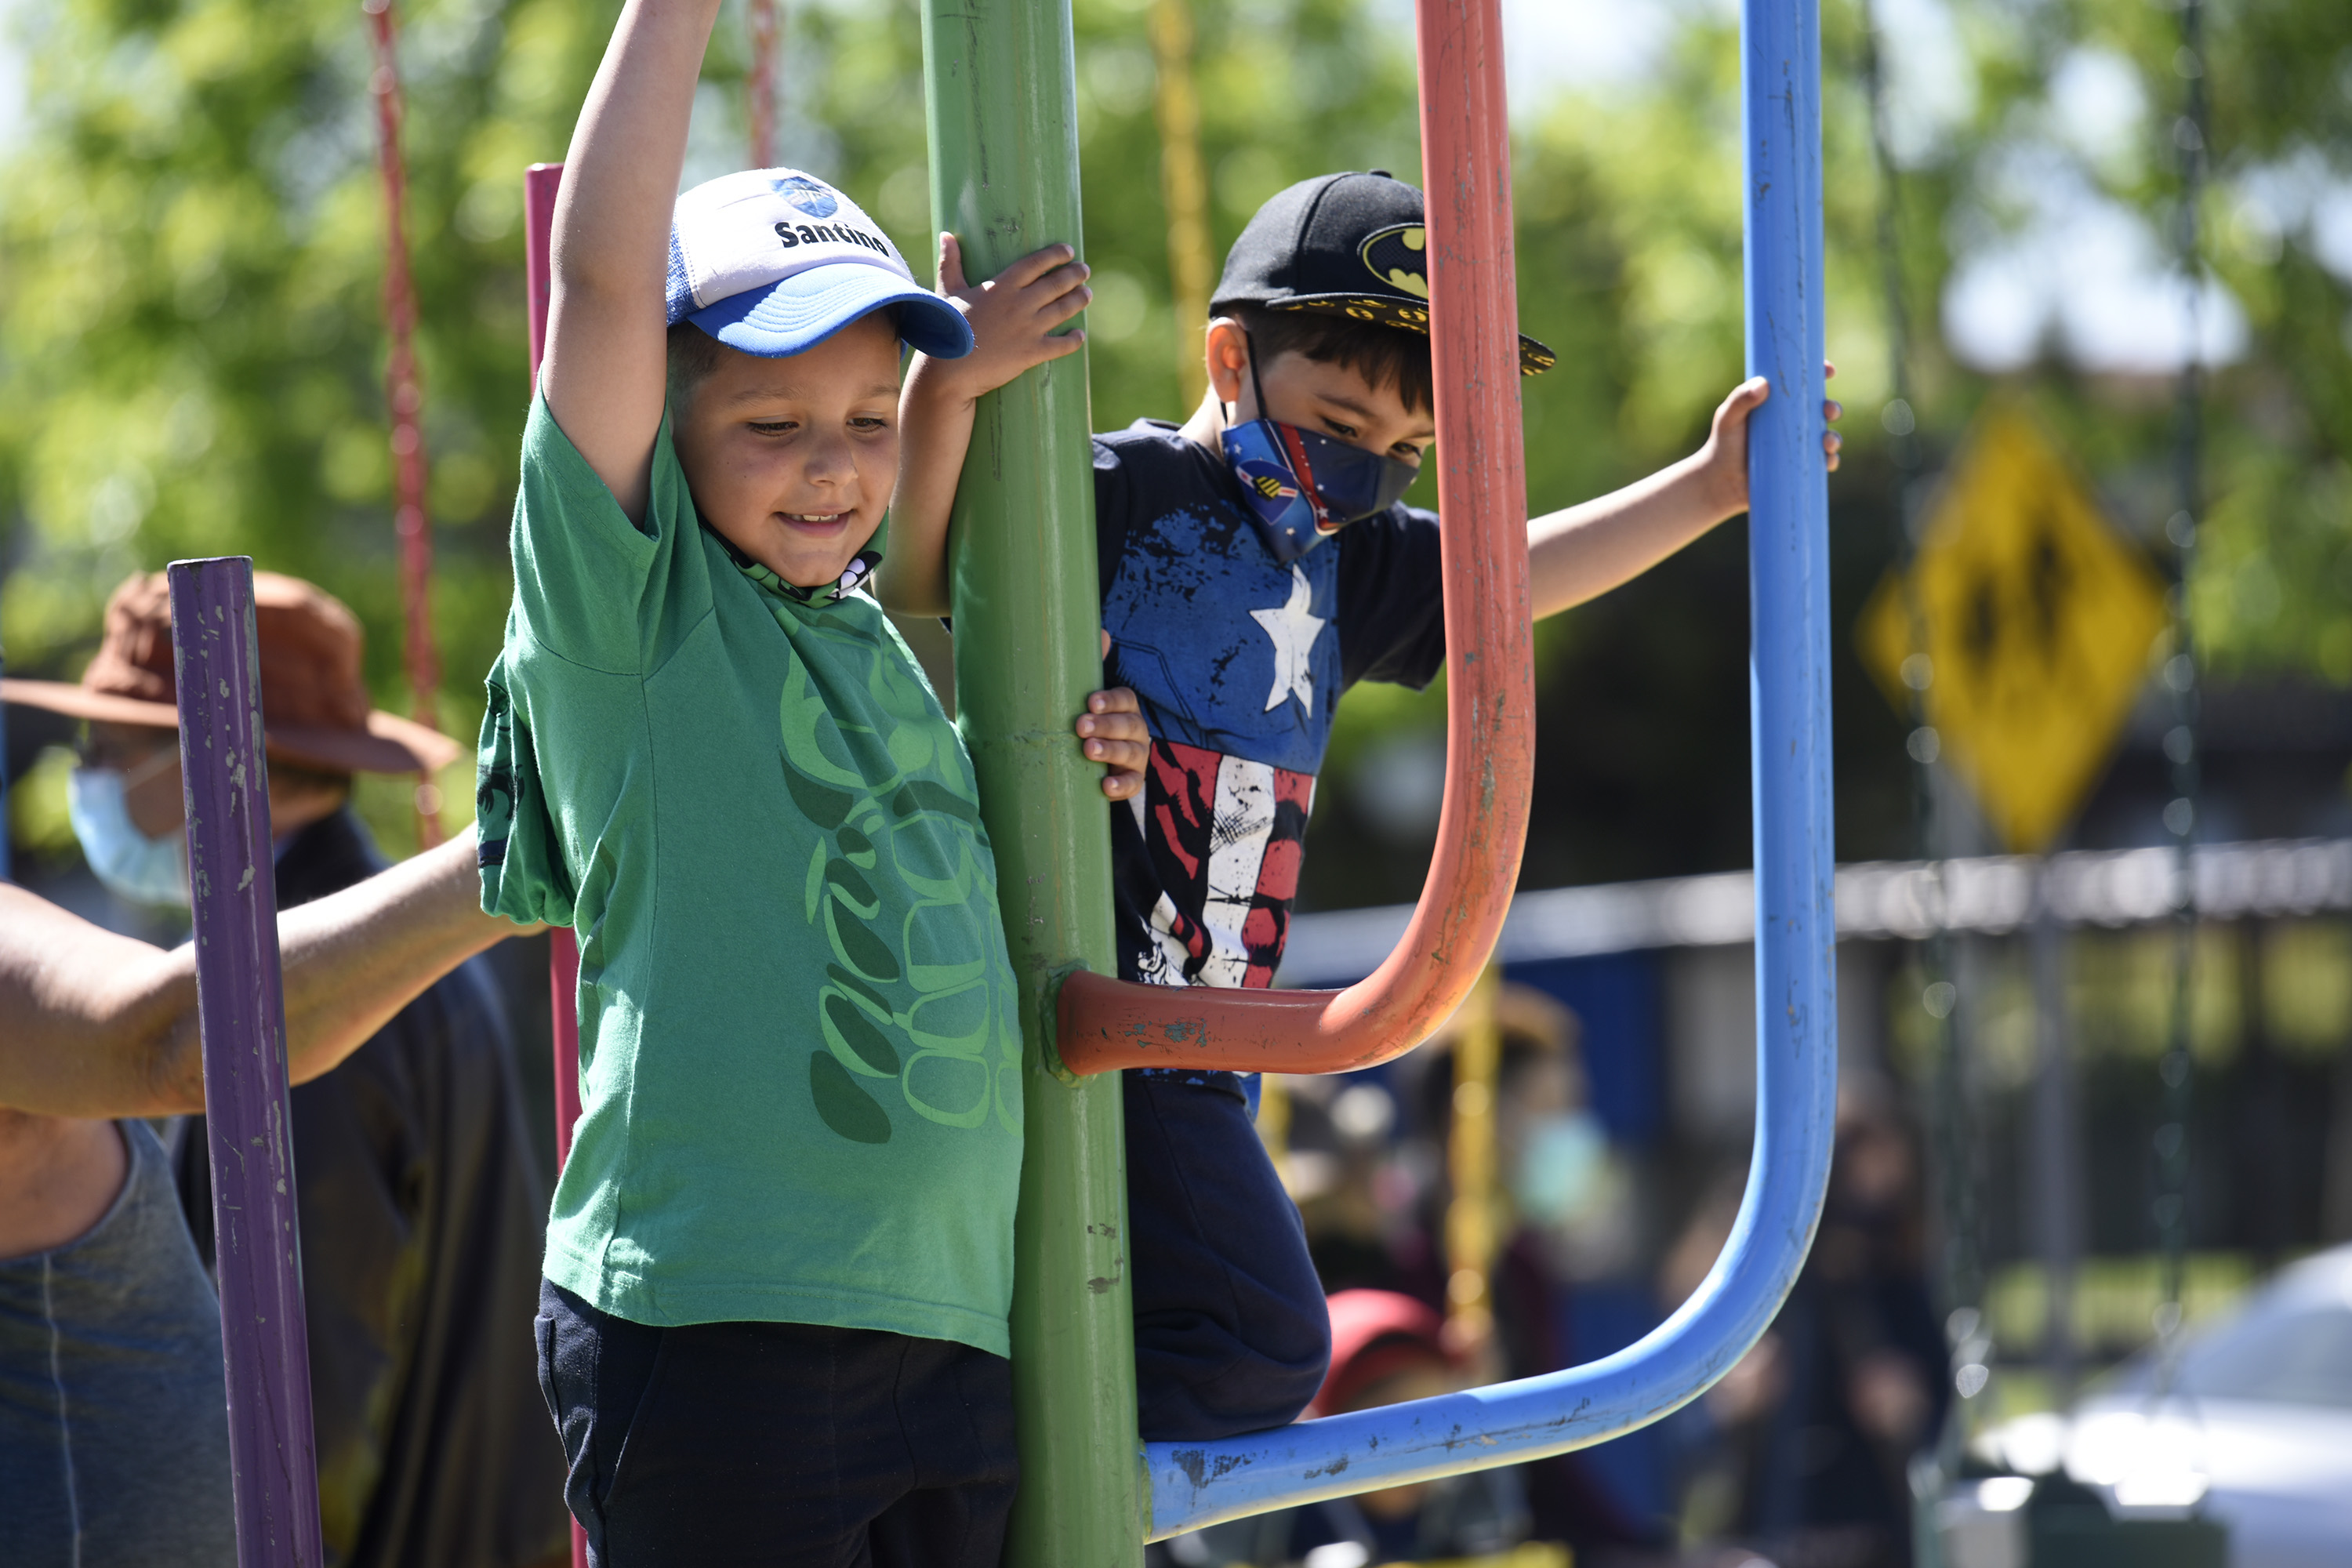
{"points": [[1000, 94]]}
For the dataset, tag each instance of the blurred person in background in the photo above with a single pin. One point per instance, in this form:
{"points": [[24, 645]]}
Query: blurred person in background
{"points": [[1572, 1215], [1818, 1422], [113, 1430], [421, 1214]]}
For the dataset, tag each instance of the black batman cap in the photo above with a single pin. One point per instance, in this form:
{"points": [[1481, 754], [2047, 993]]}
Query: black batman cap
{"points": [[1344, 245]]}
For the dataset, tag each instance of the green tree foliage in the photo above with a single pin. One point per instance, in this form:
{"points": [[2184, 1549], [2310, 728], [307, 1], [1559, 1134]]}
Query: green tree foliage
{"points": [[2274, 590], [192, 345]]}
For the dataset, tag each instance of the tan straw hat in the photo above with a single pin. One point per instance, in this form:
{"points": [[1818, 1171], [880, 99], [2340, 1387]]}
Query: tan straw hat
{"points": [[314, 708]]}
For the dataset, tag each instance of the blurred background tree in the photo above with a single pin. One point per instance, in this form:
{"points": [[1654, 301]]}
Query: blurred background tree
{"points": [[192, 345], [191, 334]]}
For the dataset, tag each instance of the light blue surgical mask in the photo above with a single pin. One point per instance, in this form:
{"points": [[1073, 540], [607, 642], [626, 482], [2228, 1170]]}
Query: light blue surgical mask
{"points": [[132, 865], [1562, 1161]]}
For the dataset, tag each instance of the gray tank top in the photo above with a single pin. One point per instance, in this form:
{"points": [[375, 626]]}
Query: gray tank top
{"points": [[113, 1425]]}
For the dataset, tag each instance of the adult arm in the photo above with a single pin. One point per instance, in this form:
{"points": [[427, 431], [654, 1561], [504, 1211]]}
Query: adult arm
{"points": [[605, 375], [1582, 552], [96, 1025]]}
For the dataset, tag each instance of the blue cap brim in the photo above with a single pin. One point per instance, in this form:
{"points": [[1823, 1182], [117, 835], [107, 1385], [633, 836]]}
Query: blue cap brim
{"points": [[797, 313]]}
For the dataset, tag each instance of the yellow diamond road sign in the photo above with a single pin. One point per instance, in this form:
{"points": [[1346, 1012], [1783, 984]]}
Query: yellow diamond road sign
{"points": [[2036, 621]]}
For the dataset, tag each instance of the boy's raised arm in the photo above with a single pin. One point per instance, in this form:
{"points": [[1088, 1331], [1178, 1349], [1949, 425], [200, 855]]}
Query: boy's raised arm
{"points": [[1582, 552], [1015, 319], [607, 367]]}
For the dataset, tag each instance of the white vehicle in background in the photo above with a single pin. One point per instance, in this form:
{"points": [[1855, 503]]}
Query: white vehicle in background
{"points": [[2256, 1430]]}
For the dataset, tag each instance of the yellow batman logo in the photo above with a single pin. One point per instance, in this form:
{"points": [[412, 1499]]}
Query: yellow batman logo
{"points": [[1397, 256]]}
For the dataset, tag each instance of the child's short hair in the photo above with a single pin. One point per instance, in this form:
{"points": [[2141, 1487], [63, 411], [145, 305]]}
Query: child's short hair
{"points": [[693, 355], [1384, 356]]}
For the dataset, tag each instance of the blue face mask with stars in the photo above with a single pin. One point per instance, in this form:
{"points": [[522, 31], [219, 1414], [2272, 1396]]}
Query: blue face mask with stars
{"points": [[1303, 486]]}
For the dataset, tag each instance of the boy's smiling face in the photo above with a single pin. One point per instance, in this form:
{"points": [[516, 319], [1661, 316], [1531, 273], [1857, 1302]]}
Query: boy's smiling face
{"points": [[1331, 399], [792, 459]]}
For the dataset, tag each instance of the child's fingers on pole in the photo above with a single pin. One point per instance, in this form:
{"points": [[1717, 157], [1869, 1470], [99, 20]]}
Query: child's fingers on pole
{"points": [[1114, 699], [1062, 281], [1121, 756], [1744, 400], [1058, 345], [1116, 726], [951, 280], [1055, 312], [1028, 268], [1112, 732]]}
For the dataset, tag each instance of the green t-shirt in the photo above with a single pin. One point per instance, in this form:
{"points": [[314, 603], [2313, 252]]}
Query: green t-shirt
{"points": [[799, 1039]]}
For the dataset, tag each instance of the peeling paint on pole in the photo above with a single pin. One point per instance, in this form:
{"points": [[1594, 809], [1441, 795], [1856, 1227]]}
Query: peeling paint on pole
{"points": [[241, 1006]]}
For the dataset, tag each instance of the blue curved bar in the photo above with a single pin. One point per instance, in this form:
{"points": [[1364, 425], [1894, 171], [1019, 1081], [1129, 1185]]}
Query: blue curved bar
{"points": [[1196, 1484]]}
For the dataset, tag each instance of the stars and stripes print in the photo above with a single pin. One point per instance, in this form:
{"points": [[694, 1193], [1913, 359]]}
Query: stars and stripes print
{"points": [[1225, 836], [1237, 658]]}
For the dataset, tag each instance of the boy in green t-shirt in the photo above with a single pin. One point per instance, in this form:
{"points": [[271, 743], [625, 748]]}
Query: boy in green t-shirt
{"points": [[779, 1260]]}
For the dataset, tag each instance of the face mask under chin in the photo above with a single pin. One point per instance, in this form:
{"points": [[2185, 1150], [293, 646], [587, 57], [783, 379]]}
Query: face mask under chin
{"points": [[129, 864]]}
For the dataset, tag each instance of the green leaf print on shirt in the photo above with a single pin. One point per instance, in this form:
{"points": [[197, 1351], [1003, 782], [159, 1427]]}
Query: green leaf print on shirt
{"points": [[846, 1109], [905, 898]]}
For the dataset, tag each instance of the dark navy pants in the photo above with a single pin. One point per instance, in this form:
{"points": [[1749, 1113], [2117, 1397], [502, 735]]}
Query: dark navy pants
{"points": [[1231, 1331], [777, 1443]]}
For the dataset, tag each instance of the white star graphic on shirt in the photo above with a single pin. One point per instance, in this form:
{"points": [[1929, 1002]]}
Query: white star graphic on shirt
{"points": [[1294, 632]]}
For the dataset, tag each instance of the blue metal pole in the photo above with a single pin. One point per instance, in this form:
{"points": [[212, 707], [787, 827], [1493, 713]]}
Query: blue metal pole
{"points": [[241, 1012], [1195, 1484]]}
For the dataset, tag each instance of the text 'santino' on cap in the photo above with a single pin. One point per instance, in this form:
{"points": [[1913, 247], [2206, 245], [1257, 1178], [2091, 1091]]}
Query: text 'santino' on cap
{"points": [[1344, 245], [774, 262]]}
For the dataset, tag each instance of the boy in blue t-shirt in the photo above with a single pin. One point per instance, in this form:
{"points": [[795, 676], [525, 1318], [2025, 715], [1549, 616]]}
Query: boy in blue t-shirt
{"points": [[779, 1263], [1255, 563]]}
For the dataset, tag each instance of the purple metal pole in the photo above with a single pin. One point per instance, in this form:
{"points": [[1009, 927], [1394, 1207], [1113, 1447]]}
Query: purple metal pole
{"points": [[241, 1005]]}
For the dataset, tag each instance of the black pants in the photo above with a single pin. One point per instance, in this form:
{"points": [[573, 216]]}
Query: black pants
{"points": [[1232, 1335], [777, 1443]]}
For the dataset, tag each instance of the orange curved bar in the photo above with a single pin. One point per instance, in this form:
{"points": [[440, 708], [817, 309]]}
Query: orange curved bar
{"points": [[1489, 669]]}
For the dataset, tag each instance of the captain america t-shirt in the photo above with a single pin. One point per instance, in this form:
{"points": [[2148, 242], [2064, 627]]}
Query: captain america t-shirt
{"points": [[1238, 660]]}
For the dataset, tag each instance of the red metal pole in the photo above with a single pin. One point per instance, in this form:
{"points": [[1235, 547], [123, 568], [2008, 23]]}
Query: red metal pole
{"points": [[760, 81], [1489, 653], [539, 183], [405, 395]]}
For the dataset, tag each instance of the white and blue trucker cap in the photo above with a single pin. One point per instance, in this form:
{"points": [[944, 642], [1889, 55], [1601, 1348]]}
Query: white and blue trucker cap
{"points": [[774, 262]]}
